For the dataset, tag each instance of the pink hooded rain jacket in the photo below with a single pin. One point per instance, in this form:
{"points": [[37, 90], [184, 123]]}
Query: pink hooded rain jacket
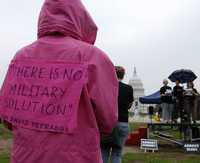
{"points": [[60, 92]]}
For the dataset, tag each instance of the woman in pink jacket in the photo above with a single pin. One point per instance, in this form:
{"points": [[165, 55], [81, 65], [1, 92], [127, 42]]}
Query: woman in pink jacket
{"points": [[60, 92]]}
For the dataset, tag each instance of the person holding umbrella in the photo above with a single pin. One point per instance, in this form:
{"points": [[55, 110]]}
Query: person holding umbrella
{"points": [[166, 101], [189, 96], [183, 76], [186, 76], [178, 99]]}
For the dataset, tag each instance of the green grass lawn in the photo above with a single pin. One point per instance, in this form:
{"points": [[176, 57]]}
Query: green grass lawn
{"points": [[175, 133], [4, 158], [144, 158], [160, 158], [174, 156], [4, 133], [135, 126]]}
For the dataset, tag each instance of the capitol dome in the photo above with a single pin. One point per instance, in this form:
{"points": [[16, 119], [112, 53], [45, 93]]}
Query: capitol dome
{"points": [[137, 108], [137, 85]]}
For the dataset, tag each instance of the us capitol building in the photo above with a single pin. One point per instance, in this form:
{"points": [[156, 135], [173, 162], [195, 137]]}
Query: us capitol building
{"points": [[138, 91]]}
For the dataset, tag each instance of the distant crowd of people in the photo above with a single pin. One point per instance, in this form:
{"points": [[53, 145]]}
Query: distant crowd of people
{"points": [[178, 103]]}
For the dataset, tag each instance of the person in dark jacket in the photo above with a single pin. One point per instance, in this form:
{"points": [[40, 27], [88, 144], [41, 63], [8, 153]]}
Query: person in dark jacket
{"points": [[166, 101], [178, 99], [190, 95], [118, 138]]}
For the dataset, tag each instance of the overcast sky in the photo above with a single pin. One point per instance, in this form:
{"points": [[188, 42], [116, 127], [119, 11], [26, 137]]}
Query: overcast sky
{"points": [[157, 36]]}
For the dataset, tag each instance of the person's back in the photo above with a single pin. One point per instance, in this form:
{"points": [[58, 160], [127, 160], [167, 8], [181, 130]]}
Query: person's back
{"points": [[113, 144], [124, 100], [66, 36]]}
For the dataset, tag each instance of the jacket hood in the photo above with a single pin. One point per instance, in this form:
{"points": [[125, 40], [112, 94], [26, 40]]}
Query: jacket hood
{"points": [[68, 18]]}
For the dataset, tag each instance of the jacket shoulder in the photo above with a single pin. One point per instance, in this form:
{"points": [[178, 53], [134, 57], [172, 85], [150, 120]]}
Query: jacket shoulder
{"points": [[22, 51], [126, 86], [93, 53]]}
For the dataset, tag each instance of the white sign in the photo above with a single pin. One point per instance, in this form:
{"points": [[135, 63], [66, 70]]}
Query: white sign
{"points": [[192, 148], [149, 144]]}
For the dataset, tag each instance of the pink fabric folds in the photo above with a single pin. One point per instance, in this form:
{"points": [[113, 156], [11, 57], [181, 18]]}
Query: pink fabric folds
{"points": [[61, 92], [68, 17]]}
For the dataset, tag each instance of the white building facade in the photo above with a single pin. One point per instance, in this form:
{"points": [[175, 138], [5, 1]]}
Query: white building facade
{"points": [[139, 110], [138, 89]]}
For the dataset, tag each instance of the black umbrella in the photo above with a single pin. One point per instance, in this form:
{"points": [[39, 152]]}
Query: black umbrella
{"points": [[183, 75]]}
